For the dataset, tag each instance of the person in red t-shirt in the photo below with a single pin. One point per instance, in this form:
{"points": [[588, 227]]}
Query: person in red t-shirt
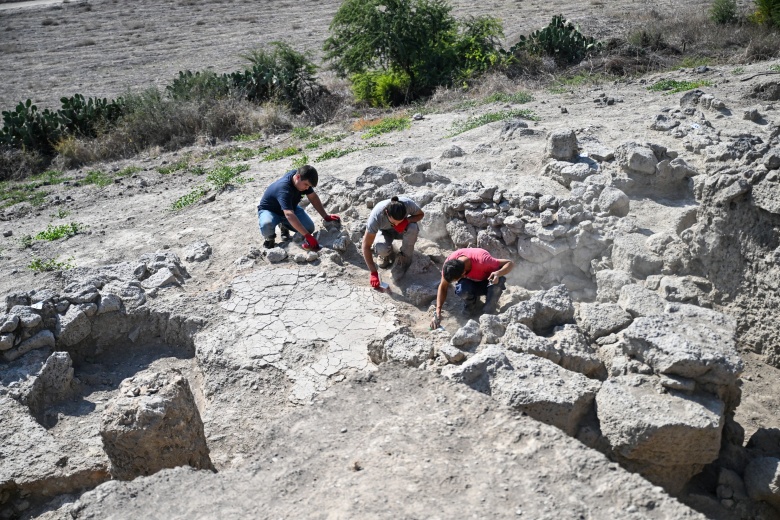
{"points": [[475, 273]]}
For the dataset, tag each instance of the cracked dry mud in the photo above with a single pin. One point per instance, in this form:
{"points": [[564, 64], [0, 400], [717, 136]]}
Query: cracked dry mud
{"points": [[298, 419]]}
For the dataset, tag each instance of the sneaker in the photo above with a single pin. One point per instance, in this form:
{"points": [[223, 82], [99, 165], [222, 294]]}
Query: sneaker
{"points": [[285, 234], [270, 242]]}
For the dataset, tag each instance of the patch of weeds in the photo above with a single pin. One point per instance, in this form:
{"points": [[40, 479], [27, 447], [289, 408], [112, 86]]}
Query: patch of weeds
{"points": [[336, 153], [300, 161], [26, 241], [490, 117], [672, 86], [48, 178], [189, 199], [322, 141], [237, 153], [98, 178], [302, 132], [49, 264], [738, 71], [690, 62], [62, 231], [37, 199], [224, 176], [517, 98], [198, 170], [179, 165], [387, 124], [130, 170], [775, 68], [377, 145], [61, 213], [275, 155], [14, 195], [242, 138]]}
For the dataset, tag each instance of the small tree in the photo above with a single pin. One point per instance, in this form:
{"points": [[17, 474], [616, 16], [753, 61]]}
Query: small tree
{"points": [[768, 12], [414, 37]]}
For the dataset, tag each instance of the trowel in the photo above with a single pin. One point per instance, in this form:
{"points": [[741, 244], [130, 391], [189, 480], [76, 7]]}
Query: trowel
{"points": [[383, 286]]}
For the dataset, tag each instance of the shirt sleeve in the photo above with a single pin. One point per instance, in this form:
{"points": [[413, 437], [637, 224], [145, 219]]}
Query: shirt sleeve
{"points": [[411, 207], [490, 263]]}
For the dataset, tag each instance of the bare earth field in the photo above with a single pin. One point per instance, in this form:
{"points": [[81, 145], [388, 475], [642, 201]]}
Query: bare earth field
{"points": [[103, 48]]}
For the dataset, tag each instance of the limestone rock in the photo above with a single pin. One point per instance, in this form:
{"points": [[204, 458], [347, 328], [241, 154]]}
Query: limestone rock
{"points": [[519, 338], [609, 282], [402, 348], [601, 319], [153, 424], [762, 480], [109, 303], [276, 255], [536, 386], [687, 341], [613, 201], [462, 234], [630, 254], [420, 295], [42, 339], [576, 354], [467, 336], [197, 251], [163, 277], [545, 310], [668, 437], [636, 158], [73, 327], [562, 145], [639, 301], [452, 152], [375, 175]]}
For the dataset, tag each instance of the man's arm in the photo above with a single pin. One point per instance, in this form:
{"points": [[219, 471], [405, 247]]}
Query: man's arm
{"points": [[416, 217], [506, 266], [317, 203], [294, 222], [441, 297], [368, 241]]}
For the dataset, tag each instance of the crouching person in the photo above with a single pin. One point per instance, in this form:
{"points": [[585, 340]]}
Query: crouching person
{"points": [[396, 219], [279, 207], [475, 274]]}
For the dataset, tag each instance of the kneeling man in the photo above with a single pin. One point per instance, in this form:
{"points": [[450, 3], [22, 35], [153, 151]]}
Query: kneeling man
{"points": [[396, 218]]}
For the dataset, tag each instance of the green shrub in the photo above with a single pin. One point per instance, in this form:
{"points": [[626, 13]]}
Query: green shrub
{"points": [[299, 161], [275, 155], [189, 86], [98, 178], [478, 47], [57, 232], [336, 153], [672, 86], [724, 11], [767, 12], [387, 124], [189, 199], [560, 40], [224, 176], [490, 117], [179, 165], [380, 88], [49, 264]]}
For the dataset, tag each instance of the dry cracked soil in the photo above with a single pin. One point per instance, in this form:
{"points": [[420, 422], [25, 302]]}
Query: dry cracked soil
{"points": [[300, 423]]}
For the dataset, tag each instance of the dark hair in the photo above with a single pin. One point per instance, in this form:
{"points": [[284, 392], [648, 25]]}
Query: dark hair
{"points": [[396, 209], [453, 269], [308, 173]]}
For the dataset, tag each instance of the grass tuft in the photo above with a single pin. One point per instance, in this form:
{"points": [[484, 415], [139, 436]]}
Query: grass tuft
{"points": [[336, 153], [224, 176], [275, 155], [382, 125], [189, 199], [49, 264], [98, 178], [62, 231], [672, 86], [490, 117]]}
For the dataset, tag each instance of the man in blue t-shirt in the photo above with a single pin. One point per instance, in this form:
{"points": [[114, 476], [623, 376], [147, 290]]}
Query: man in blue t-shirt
{"points": [[279, 207]]}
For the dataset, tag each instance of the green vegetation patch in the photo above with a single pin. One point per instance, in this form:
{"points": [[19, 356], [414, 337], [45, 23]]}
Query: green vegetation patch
{"points": [[324, 140], [300, 161], [61, 231], [388, 124], [49, 264], [237, 153], [189, 199], [130, 170], [672, 86], [281, 153], [248, 137], [98, 178], [224, 176], [336, 153], [491, 117], [179, 165]]}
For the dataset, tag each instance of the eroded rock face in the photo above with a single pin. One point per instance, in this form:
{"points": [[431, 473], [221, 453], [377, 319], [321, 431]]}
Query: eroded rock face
{"points": [[153, 424]]}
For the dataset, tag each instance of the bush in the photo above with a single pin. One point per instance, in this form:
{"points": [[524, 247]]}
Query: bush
{"points": [[560, 40], [28, 129], [418, 39], [767, 12], [724, 11], [189, 86], [380, 88], [84, 117]]}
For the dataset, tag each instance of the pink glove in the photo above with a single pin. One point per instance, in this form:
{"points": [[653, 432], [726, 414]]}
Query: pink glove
{"points": [[374, 279], [401, 226], [331, 218], [310, 243]]}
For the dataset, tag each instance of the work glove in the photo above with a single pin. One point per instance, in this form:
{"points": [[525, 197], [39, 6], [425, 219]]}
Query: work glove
{"points": [[331, 218], [374, 279], [401, 226], [310, 243]]}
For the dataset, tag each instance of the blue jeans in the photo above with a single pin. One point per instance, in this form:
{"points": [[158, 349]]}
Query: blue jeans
{"points": [[268, 221], [470, 291]]}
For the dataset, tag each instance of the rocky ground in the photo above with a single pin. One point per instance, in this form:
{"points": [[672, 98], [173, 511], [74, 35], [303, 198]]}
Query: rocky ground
{"points": [[638, 321]]}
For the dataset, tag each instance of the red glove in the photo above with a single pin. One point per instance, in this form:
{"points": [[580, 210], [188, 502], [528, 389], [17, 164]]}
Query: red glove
{"points": [[331, 218], [374, 279], [310, 243], [401, 226]]}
